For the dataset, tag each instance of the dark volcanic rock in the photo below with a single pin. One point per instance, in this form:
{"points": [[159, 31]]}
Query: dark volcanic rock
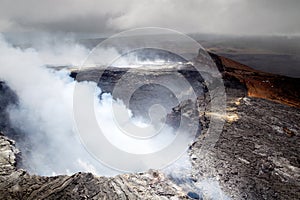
{"points": [[193, 195], [7, 97]]}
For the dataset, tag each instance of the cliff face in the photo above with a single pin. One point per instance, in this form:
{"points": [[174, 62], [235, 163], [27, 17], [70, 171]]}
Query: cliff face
{"points": [[256, 156], [259, 84]]}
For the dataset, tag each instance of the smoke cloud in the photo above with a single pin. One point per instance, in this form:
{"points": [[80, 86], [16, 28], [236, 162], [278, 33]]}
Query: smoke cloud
{"points": [[45, 111]]}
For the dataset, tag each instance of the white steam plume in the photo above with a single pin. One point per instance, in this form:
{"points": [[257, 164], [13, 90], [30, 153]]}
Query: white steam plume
{"points": [[44, 112]]}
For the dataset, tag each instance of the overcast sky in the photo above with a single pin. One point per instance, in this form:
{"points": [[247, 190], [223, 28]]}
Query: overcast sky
{"points": [[251, 17]]}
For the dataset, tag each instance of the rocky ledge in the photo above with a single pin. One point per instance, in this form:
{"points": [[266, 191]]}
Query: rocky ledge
{"points": [[18, 184]]}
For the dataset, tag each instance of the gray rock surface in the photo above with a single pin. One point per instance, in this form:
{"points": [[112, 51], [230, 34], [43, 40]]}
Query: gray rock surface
{"points": [[257, 154], [8, 156], [18, 184]]}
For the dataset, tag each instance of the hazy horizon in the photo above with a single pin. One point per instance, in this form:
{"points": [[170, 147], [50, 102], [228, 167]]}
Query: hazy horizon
{"points": [[231, 17]]}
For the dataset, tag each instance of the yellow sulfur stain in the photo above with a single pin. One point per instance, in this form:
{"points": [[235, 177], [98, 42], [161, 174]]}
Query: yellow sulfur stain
{"points": [[229, 117]]}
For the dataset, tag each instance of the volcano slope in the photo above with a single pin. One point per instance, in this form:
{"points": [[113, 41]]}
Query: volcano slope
{"points": [[255, 157]]}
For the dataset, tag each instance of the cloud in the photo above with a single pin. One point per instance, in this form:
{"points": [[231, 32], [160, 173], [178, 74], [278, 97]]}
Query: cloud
{"points": [[214, 16]]}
